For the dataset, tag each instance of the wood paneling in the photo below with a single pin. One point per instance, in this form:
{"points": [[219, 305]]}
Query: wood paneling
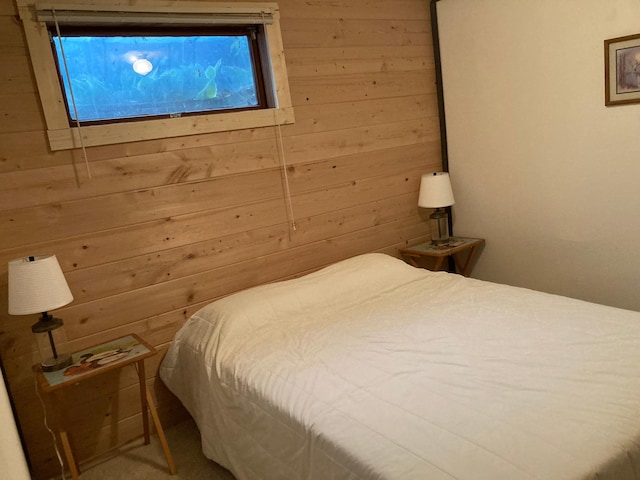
{"points": [[165, 226], [355, 32]]}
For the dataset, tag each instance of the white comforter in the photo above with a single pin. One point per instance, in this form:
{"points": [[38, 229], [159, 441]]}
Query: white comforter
{"points": [[373, 369]]}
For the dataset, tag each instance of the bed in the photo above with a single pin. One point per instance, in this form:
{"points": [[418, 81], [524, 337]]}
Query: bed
{"points": [[373, 369]]}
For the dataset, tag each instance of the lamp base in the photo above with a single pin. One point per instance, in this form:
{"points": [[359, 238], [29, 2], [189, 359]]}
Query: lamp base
{"points": [[46, 324], [52, 364], [439, 225]]}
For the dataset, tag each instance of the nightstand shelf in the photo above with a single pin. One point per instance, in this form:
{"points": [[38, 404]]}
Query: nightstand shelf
{"points": [[413, 255], [97, 360]]}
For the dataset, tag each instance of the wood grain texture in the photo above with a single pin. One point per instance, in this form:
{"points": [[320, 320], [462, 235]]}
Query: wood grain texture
{"points": [[165, 226]]}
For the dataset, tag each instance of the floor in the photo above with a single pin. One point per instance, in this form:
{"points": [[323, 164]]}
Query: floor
{"points": [[137, 461]]}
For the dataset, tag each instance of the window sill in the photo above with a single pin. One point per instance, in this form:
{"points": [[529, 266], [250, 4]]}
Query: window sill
{"points": [[68, 138]]}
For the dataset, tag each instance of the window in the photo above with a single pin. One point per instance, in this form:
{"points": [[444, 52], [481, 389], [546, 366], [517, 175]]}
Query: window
{"points": [[115, 74]]}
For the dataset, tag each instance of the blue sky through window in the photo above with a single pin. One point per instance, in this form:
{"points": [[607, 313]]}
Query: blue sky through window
{"points": [[123, 77]]}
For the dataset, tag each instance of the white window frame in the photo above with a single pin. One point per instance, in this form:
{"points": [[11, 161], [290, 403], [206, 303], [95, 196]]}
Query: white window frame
{"points": [[63, 136]]}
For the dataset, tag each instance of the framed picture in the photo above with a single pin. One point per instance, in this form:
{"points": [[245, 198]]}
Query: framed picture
{"points": [[622, 70]]}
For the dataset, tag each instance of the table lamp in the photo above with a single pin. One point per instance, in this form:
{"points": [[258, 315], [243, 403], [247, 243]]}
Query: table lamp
{"points": [[435, 192], [37, 285]]}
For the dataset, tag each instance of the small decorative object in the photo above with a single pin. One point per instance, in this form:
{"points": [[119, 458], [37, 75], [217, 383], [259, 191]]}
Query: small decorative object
{"points": [[435, 192], [37, 285], [622, 70]]}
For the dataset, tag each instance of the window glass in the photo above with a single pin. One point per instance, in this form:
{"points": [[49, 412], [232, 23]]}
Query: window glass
{"points": [[121, 75]]}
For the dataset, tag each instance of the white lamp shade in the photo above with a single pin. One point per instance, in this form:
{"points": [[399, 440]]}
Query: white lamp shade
{"points": [[435, 191], [37, 286]]}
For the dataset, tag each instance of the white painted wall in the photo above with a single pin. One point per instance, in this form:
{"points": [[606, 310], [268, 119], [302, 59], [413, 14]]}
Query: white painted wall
{"points": [[539, 166], [12, 461]]}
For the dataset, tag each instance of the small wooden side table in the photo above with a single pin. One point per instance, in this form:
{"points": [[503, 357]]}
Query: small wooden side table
{"points": [[440, 252], [94, 361]]}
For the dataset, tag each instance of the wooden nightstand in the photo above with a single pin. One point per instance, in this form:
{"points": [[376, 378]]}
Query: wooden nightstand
{"points": [[439, 252], [130, 350]]}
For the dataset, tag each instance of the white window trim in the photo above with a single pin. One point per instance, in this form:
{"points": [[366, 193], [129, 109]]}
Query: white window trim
{"points": [[63, 137]]}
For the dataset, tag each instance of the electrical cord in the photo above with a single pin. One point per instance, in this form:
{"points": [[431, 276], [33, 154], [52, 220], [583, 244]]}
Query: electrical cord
{"points": [[46, 425]]}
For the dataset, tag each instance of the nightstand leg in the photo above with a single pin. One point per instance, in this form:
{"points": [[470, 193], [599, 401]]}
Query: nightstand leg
{"points": [[68, 453], [464, 270], [438, 265], [143, 402], [62, 422], [163, 439], [412, 261]]}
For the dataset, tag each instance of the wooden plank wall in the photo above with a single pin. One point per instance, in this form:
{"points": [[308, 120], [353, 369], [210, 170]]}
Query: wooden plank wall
{"points": [[166, 226]]}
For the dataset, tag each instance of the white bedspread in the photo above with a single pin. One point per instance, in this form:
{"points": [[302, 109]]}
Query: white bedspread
{"points": [[373, 369]]}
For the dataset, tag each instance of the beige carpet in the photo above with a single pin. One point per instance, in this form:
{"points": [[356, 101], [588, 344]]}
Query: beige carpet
{"points": [[137, 461]]}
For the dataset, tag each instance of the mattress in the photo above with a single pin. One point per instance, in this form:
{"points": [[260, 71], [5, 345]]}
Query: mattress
{"points": [[373, 369]]}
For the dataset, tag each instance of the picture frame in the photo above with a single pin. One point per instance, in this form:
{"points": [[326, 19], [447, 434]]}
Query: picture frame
{"points": [[622, 70]]}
